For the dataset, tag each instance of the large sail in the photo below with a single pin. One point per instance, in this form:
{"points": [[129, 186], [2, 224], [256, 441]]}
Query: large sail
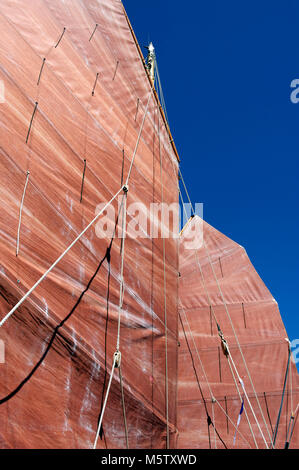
{"points": [[78, 117], [220, 292]]}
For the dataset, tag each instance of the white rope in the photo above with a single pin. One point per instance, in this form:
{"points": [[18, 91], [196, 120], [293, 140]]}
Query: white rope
{"points": [[105, 403], [21, 209], [247, 398], [164, 288], [247, 417], [123, 406], [121, 287], [121, 284], [57, 261]]}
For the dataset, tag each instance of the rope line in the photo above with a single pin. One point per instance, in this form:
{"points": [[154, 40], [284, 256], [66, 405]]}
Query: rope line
{"points": [[56, 331], [58, 42], [57, 261], [105, 403], [117, 354], [138, 138], [31, 121], [204, 372], [20, 215], [123, 406], [117, 63], [83, 176], [95, 83], [291, 427], [121, 284], [246, 415], [282, 397], [164, 289], [41, 70], [92, 34]]}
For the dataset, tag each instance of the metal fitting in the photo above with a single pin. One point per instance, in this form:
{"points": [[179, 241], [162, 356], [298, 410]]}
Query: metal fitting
{"points": [[117, 359]]}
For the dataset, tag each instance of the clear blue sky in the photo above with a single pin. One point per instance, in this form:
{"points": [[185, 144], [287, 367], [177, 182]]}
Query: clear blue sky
{"points": [[226, 69]]}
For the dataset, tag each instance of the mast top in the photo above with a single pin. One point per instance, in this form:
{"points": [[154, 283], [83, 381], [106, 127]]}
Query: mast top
{"points": [[151, 61]]}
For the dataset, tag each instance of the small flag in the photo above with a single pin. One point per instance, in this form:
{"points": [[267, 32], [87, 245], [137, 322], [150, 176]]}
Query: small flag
{"points": [[239, 419]]}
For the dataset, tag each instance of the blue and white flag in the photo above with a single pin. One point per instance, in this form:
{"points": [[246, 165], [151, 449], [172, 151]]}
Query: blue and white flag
{"points": [[239, 419]]}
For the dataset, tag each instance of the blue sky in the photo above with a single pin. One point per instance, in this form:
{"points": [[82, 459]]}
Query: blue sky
{"points": [[226, 69]]}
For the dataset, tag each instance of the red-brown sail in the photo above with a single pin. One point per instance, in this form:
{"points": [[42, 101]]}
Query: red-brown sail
{"points": [[76, 92], [218, 285]]}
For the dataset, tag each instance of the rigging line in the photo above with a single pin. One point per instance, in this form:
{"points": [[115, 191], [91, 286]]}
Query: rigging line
{"points": [[213, 415], [61, 36], [41, 70], [287, 444], [117, 63], [268, 413], [138, 138], [83, 176], [121, 284], [229, 317], [105, 403], [55, 333], [282, 397], [290, 426], [95, 28], [226, 410], [201, 363], [247, 398], [57, 261], [122, 168], [204, 372], [164, 288], [20, 215], [107, 314], [247, 417], [31, 121], [95, 83], [232, 423], [161, 90], [123, 407], [137, 106], [117, 354], [197, 379], [291, 387]]}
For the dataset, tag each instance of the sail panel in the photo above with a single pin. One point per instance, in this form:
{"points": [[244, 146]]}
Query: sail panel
{"points": [[218, 284], [80, 106]]}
